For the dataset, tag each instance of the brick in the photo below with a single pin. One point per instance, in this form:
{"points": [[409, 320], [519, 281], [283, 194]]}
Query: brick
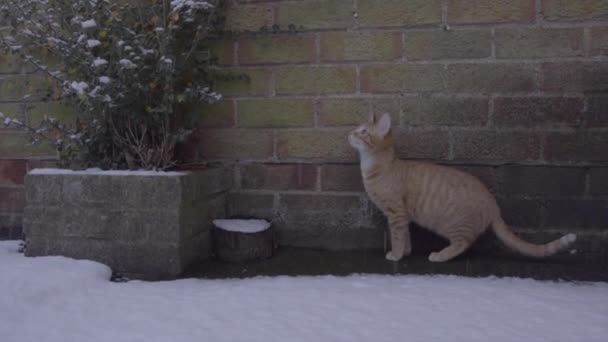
{"points": [[597, 111], [10, 226], [323, 221], [598, 181], [326, 145], [279, 176], [10, 63], [566, 10], [534, 42], [391, 105], [488, 175], [12, 110], [599, 41], [538, 111], [576, 214], [275, 113], [12, 200], [401, 78], [316, 14], [448, 44], [343, 111], [337, 177], [360, 46], [15, 145], [316, 80], [277, 49], [221, 50], [41, 164], [542, 181], [444, 111], [38, 87], [521, 213], [490, 78], [577, 147], [494, 146], [216, 115], [236, 143], [247, 205], [65, 113], [575, 77], [407, 13], [244, 82], [240, 17], [411, 144], [12, 172], [486, 12]]}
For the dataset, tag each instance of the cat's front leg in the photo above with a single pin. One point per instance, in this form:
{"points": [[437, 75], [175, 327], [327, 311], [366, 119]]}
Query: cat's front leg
{"points": [[400, 238]]}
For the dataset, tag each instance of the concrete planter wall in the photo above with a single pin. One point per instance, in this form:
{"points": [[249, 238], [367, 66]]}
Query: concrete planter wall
{"points": [[142, 224]]}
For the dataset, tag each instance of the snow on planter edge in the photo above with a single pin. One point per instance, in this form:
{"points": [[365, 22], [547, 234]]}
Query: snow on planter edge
{"points": [[100, 172], [242, 226]]}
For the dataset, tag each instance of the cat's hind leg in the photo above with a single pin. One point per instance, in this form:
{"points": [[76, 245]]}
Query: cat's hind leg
{"points": [[456, 247]]}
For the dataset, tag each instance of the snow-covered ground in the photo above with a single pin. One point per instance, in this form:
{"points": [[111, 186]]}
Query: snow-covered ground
{"points": [[52, 299]]}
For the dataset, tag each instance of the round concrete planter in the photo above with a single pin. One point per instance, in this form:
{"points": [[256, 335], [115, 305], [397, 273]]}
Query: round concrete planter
{"points": [[144, 225]]}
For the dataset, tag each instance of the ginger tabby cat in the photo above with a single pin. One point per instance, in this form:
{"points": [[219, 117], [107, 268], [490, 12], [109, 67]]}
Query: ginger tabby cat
{"points": [[449, 202]]}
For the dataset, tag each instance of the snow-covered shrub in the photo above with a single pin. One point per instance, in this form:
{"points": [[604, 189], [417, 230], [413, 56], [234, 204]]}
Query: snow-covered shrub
{"points": [[127, 65]]}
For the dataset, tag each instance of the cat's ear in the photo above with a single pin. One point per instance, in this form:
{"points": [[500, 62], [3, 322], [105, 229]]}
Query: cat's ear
{"points": [[384, 124], [372, 118]]}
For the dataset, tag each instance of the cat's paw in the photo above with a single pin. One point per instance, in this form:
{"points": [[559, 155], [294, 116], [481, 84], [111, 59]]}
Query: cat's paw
{"points": [[392, 256]]}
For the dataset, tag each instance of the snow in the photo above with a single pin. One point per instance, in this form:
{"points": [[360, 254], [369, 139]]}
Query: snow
{"points": [[127, 63], [88, 24], [91, 43], [104, 79], [79, 87], [100, 172], [99, 62], [56, 299], [243, 226], [177, 5]]}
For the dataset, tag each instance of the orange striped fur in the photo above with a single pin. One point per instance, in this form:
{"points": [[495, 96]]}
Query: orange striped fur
{"points": [[449, 202]]}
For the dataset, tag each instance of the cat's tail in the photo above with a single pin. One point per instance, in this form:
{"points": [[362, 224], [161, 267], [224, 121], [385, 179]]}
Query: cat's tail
{"points": [[505, 234]]}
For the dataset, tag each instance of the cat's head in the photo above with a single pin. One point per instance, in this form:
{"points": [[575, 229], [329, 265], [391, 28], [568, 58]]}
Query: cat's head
{"points": [[374, 135]]}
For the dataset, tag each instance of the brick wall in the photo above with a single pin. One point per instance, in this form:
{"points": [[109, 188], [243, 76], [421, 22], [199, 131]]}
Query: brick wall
{"points": [[24, 95], [515, 92]]}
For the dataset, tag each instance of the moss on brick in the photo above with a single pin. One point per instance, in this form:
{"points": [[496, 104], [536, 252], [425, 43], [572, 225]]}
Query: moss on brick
{"points": [[244, 82]]}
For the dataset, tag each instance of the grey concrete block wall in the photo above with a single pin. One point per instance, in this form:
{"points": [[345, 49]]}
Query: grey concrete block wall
{"points": [[142, 226]]}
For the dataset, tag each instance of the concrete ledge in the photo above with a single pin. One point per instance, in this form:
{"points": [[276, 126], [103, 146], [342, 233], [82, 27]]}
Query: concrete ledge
{"points": [[141, 225]]}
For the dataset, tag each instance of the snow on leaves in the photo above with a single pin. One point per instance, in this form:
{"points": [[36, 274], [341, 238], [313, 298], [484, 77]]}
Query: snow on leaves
{"points": [[119, 59]]}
